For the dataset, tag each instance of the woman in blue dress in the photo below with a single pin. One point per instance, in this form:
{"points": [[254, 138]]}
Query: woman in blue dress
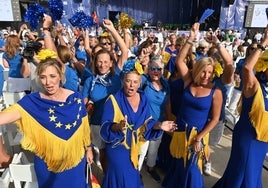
{"points": [[126, 124], [55, 128], [200, 99], [250, 135]]}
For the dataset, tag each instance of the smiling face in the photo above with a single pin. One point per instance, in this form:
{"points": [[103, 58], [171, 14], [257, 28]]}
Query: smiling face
{"points": [[156, 69], [206, 75], [103, 63], [131, 83]]}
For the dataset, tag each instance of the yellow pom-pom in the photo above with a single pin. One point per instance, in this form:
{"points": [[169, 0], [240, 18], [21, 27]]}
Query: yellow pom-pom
{"points": [[125, 21], [218, 70], [46, 53], [138, 67], [261, 65]]}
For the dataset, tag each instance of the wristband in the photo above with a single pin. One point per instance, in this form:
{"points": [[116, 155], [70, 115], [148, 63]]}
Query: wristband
{"points": [[189, 42], [262, 48], [46, 35], [46, 28]]}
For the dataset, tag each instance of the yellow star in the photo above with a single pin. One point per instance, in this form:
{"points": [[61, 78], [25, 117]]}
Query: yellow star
{"points": [[78, 116], [52, 118], [266, 96], [266, 88], [74, 123], [68, 126], [59, 124], [51, 111], [79, 101], [62, 104]]}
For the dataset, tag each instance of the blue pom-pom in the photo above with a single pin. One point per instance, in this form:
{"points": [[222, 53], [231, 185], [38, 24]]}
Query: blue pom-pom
{"points": [[81, 20], [129, 65], [33, 15], [56, 9]]}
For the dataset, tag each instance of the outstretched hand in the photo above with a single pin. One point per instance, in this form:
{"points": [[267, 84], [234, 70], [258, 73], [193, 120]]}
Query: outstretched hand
{"points": [[168, 126]]}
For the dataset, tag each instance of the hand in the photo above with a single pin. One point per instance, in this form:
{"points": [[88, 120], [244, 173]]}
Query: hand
{"points": [[197, 146], [121, 126], [108, 24], [47, 21], [169, 126], [194, 31], [89, 155]]}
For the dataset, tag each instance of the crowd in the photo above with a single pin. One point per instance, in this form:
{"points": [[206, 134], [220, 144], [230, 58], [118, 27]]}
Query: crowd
{"points": [[120, 97]]}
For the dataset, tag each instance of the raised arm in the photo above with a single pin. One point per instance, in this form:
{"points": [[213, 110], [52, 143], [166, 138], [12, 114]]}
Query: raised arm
{"points": [[228, 71], [9, 117], [119, 40], [180, 61], [250, 82]]}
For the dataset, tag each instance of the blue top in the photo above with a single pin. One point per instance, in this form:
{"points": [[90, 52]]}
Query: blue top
{"points": [[98, 90], [200, 55], [238, 70], [157, 99], [14, 65], [194, 111], [72, 81], [176, 92]]}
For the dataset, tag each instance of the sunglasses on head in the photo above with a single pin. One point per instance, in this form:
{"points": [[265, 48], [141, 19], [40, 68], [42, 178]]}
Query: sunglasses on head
{"points": [[156, 68], [106, 43]]}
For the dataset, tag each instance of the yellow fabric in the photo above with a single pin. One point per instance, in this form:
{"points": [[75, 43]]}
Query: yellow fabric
{"points": [[165, 58], [137, 139], [58, 154], [179, 146], [259, 117]]}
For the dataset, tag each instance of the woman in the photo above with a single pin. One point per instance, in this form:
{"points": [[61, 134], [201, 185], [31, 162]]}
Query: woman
{"points": [[127, 123], [200, 101], [53, 119], [97, 87], [156, 89], [250, 135], [12, 58]]}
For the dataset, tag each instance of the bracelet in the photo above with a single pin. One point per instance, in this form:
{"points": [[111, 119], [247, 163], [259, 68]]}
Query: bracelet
{"points": [[262, 48], [46, 28], [189, 42], [218, 45], [46, 35], [197, 140]]}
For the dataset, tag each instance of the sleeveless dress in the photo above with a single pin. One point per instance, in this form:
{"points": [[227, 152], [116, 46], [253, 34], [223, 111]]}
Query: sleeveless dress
{"points": [[192, 118], [244, 167]]}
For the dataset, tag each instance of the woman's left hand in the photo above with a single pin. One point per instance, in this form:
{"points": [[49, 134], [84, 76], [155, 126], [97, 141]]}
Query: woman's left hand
{"points": [[168, 126]]}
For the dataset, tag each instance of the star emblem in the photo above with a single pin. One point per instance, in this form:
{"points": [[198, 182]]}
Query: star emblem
{"points": [[58, 125], [52, 118], [68, 126], [51, 111]]}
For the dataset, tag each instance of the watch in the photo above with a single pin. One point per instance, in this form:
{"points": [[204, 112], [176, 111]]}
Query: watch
{"points": [[262, 48]]}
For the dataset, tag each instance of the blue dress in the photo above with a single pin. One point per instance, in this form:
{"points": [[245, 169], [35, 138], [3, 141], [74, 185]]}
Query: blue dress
{"points": [[244, 168], [14, 65], [194, 113], [58, 134], [120, 148]]}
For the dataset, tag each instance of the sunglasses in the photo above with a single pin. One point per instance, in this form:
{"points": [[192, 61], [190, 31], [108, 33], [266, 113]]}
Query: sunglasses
{"points": [[156, 69], [253, 48], [202, 48], [106, 43]]}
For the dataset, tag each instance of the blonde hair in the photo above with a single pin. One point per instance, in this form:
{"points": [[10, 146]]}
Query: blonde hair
{"points": [[47, 63], [200, 66]]}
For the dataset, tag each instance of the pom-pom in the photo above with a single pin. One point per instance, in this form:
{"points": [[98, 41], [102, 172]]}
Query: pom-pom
{"points": [[81, 20], [132, 65], [218, 70], [56, 9], [33, 15], [125, 21], [45, 54]]}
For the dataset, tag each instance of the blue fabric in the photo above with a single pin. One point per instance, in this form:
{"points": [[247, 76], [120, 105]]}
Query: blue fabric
{"points": [[194, 112], [176, 92], [225, 89], [171, 65], [238, 69], [72, 80], [121, 172], [1, 79], [199, 107], [199, 55], [43, 111], [74, 177], [14, 65], [99, 94], [244, 168], [157, 99]]}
